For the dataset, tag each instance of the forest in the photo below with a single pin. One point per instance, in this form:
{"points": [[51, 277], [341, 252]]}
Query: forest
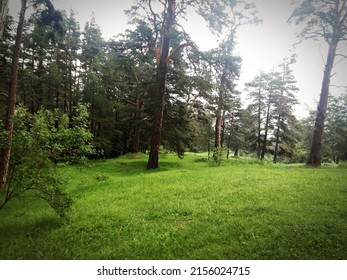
{"points": [[68, 97], [61, 67]]}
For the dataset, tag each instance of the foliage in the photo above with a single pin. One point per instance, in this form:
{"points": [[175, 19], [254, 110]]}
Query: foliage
{"points": [[41, 141], [335, 138], [272, 104], [62, 66], [327, 20], [217, 156]]}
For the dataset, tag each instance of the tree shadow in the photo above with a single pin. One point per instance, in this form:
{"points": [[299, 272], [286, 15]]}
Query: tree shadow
{"points": [[15, 230]]}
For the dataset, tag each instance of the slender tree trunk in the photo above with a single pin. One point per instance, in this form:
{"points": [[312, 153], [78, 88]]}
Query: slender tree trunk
{"points": [[3, 16], [315, 154], [6, 152], [236, 153], [218, 130], [263, 150], [230, 137], [259, 131], [277, 141], [137, 130], [219, 118], [162, 65]]}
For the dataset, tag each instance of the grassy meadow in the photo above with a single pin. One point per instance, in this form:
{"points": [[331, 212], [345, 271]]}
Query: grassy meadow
{"points": [[187, 209]]}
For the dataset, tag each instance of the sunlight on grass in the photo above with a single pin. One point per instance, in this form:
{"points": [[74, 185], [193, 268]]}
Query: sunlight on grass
{"points": [[187, 209]]}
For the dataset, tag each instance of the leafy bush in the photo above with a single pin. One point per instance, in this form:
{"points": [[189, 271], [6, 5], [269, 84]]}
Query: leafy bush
{"points": [[40, 141], [217, 156]]}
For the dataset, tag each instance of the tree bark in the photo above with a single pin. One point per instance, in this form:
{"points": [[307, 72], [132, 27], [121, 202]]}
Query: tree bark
{"points": [[3, 16], [137, 130], [219, 118], [277, 141], [263, 150], [315, 153], [153, 161], [218, 130], [259, 128], [162, 55], [11, 105]]}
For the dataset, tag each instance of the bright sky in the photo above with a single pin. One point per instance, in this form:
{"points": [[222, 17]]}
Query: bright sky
{"points": [[261, 47]]}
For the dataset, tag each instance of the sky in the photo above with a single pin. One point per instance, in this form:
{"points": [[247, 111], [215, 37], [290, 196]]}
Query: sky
{"points": [[261, 47]]}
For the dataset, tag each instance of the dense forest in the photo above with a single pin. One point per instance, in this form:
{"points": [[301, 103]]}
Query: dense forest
{"points": [[152, 90]]}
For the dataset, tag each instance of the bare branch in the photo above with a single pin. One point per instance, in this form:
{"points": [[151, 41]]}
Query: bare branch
{"points": [[342, 55], [175, 51], [342, 59], [336, 86]]}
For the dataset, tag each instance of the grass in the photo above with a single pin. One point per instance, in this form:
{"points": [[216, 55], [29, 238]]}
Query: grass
{"points": [[187, 209]]}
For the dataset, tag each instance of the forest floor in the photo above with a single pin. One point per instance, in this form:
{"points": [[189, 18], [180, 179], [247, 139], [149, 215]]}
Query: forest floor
{"points": [[187, 209]]}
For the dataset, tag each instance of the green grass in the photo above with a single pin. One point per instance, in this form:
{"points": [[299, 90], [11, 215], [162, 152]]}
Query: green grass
{"points": [[187, 209]]}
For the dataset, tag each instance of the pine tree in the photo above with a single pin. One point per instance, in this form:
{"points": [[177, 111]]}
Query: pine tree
{"points": [[326, 19]]}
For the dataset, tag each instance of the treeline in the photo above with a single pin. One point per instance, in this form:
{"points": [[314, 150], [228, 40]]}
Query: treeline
{"points": [[62, 66]]}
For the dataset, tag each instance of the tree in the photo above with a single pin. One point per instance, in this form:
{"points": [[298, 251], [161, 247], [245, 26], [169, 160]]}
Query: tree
{"points": [[226, 69], [161, 48], [12, 96], [11, 105], [273, 81], [37, 146], [257, 92], [133, 74], [163, 18], [224, 18], [3, 16], [326, 19], [6, 47], [335, 138], [284, 102], [272, 104]]}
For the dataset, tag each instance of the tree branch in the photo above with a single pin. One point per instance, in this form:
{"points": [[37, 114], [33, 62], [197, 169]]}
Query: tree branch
{"points": [[175, 51]]}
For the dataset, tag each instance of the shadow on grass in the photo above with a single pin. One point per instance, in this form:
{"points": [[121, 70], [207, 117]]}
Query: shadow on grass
{"points": [[33, 230], [133, 168]]}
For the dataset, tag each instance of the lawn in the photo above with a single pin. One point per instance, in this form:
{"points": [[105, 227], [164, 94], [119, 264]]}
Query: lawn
{"points": [[187, 209]]}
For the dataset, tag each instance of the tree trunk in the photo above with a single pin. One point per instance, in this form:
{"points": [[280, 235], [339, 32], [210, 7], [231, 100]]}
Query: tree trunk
{"points": [[11, 105], [263, 150], [137, 130], [230, 137], [315, 154], [153, 161], [3, 16], [162, 64], [259, 130], [218, 129], [219, 118], [277, 141]]}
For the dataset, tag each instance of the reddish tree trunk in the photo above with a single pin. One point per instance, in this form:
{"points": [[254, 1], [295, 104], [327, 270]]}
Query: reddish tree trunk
{"points": [[219, 119], [153, 161], [218, 130], [11, 105], [315, 154], [162, 64]]}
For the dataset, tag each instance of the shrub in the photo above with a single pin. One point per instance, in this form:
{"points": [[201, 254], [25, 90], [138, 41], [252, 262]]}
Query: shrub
{"points": [[217, 156], [40, 141]]}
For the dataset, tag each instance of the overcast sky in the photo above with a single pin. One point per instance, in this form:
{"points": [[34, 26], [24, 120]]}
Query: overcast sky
{"points": [[261, 47]]}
